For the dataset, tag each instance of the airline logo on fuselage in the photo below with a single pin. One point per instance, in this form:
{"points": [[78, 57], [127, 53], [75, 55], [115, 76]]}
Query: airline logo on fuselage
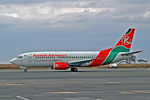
{"points": [[126, 40], [49, 55]]}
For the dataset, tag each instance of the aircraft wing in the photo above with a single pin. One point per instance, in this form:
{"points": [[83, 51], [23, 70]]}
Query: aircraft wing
{"points": [[79, 62], [130, 53]]}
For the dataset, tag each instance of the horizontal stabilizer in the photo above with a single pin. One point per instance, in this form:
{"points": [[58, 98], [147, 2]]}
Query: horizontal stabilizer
{"points": [[130, 53]]}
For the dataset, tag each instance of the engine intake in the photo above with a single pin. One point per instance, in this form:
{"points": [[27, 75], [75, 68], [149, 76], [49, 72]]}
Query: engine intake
{"points": [[60, 66]]}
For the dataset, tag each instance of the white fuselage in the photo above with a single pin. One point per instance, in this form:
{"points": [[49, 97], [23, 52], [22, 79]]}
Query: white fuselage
{"points": [[47, 59]]}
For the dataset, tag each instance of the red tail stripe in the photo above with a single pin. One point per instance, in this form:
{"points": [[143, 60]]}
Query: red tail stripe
{"points": [[101, 57]]}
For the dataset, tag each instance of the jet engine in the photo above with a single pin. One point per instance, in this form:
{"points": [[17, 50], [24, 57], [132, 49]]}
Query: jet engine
{"points": [[60, 66]]}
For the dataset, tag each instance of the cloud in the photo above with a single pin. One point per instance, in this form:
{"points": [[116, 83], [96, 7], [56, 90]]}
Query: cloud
{"points": [[53, 12], [56, 12], [13, 15], [147, 14], [44, 11], [133, 1]]}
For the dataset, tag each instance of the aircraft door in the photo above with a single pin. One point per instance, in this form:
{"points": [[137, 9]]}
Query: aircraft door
{"points": [[29, 58]]}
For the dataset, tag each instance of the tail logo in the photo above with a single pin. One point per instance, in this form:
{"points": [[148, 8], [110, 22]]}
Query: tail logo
{"points": [[126, 40]]}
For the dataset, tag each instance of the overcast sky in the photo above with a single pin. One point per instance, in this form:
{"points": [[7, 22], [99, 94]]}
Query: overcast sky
{"points": [[42, 25]]}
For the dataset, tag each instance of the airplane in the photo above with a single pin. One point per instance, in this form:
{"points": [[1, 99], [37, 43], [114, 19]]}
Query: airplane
{"points": [[62, 60]]}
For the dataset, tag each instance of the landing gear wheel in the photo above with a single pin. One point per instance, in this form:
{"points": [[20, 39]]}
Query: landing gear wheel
{"points": [[74, 69], [25, 70]]}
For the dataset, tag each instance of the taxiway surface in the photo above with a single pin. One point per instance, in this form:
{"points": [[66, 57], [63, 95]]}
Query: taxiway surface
{"points": [[87, 84]]}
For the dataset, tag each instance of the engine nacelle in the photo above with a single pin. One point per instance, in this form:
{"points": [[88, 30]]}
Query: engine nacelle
{"points": [[60, 66]]}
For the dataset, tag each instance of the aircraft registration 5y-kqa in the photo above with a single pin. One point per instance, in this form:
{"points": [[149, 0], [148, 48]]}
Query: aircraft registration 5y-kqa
{"points": [[62, 60]]}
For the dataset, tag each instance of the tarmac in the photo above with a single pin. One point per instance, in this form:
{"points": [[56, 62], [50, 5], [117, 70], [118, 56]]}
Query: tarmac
{"points": [[87, 84]]}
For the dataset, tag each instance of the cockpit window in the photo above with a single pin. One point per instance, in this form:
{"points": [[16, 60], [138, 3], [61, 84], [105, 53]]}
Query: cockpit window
{"points": [[19, 56]]}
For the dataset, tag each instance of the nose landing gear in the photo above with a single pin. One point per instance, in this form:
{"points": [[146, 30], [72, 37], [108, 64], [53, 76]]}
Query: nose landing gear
{"points": [[25, 69]]}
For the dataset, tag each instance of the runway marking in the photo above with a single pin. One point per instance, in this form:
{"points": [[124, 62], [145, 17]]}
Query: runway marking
{"points": [[127, 92], [22, 98], [142, 91], [13, 84], [112, 82], [98, 99], [67, 92], [135, 91], [82, 98]]}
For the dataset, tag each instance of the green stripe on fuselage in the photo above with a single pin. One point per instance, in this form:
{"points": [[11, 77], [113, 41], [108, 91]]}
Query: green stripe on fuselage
{"points": [[114, 53]]}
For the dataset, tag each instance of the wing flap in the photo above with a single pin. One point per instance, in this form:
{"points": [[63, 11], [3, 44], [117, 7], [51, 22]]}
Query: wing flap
{"points": [[79, 62]]}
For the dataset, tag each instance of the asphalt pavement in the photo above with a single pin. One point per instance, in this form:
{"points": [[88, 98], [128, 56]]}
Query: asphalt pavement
{"points": [[87, 84]]}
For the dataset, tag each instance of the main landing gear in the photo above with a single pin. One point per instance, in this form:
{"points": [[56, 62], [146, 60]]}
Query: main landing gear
{"points": [[73, 69], [25, 69]]}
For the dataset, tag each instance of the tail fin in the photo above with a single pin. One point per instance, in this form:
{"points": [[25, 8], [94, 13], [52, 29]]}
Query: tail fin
{"points": [[126, 40]]}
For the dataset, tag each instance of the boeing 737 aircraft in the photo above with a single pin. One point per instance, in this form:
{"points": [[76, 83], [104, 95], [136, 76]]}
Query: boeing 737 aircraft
{"points": [[62, 60]]}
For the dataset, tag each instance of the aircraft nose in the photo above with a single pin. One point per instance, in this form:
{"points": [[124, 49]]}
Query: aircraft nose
{"points": [[14, 61]]}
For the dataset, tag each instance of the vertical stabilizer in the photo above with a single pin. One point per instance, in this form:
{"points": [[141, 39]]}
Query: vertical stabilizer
{"points": [[126, 40]]}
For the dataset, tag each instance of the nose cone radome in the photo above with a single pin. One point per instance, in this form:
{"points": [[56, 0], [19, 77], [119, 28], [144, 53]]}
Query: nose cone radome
{"points": [[14, 61]]}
